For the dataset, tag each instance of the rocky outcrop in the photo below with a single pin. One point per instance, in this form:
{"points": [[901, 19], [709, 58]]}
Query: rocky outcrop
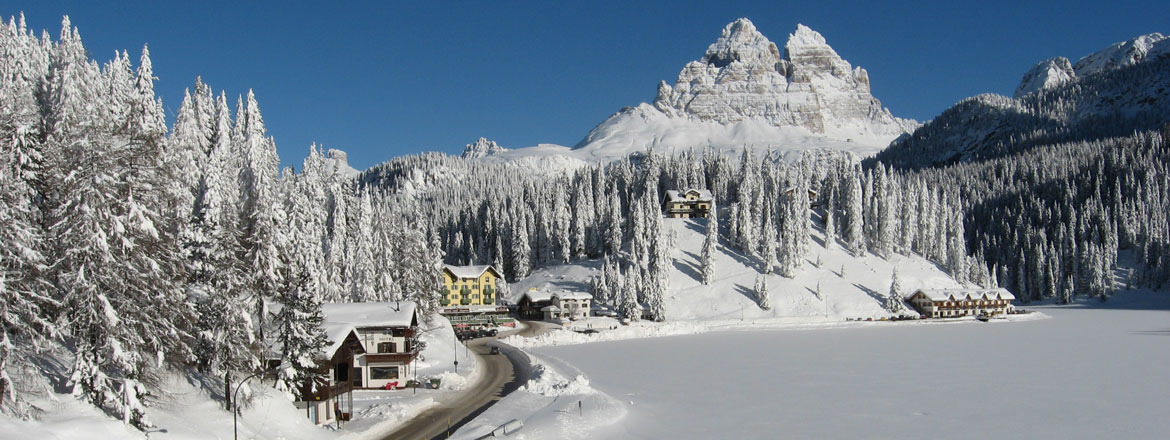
{"points": [[743, 75], [1046, 75], [482, 148]]}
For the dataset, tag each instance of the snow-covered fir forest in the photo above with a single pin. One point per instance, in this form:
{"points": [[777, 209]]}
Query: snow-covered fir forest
{"points": [[132, 248], [495, 213], [136, 247]]}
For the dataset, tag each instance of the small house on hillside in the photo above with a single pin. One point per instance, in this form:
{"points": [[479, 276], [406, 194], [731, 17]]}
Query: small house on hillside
{"points": [[371, 345], [532, 303], [813, 200], [552, 306], [691, 203], [946, 303], [568, 305]]}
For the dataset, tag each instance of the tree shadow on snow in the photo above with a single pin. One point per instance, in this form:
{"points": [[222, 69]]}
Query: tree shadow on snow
{"points": [[746, 292], [687, 268], [872, 293], [697, 226]]}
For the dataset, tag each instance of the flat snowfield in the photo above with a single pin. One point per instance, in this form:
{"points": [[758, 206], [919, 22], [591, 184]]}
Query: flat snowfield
{"points": [[1085, 373]]}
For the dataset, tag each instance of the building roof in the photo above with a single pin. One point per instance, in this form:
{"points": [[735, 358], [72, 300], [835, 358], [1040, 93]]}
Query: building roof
{"points": [[704, 195], [469, 271], [536, 295], [964, 294], [343, 318], [550, 309], [573, 295]]}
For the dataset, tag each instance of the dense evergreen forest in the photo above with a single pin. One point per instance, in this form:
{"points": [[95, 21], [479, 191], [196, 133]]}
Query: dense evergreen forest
{"points": [[134, 249]]}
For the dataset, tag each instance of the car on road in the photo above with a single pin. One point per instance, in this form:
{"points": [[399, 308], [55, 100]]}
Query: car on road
{"points": [[494, 350]]}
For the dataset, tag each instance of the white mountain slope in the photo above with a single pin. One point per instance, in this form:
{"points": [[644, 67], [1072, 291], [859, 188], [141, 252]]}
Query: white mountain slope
{"points": [[745, 91], [1053, 72], [855, 294]]}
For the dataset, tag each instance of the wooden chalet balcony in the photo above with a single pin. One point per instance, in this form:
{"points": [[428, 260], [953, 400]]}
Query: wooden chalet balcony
{"points": [[324, 391]]}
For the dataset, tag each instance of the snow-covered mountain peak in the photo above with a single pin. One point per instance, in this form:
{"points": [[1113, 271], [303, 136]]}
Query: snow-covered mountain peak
{"points": [[482, 148], [1046, 75], [742, 42], [804, 37], [743, 76], [1123, 54], [337, 161], [745, 90]]}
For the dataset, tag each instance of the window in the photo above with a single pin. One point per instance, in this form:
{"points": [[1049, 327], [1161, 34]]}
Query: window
{"points": [[386, 347], [383, 373], [357, 376]]}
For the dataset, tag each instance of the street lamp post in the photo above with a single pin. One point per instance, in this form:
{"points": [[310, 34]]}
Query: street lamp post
{"points": [[236, 402]]}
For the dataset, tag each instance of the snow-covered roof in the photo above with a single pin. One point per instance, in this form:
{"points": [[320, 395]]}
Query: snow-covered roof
{"points": [[573, 295], [704, 195], [468, 271], [964, 294], [550, 309], [536, 295], [343, 318]]}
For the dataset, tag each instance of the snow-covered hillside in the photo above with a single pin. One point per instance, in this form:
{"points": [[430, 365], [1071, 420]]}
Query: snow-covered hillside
{"points": [[1112, 92], [851, 287], [1111, 103]]}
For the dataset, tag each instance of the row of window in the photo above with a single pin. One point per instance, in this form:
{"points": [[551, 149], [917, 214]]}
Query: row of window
{"points": [[472, 296]]}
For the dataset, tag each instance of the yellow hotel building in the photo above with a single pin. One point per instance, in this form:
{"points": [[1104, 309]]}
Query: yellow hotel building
{"points": [[470, 286]]}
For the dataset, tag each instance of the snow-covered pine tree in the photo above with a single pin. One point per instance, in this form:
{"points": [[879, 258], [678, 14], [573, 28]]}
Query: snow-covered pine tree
{"points": [[659, 263], [337, 251], [628, 297], [761, 292], [893, 303], [521, 264], [113, 242], [853, 212], [24, 318], [830, 226], [768, 244], [710, 241], [362, 282], [261, 211], [615, 224]]}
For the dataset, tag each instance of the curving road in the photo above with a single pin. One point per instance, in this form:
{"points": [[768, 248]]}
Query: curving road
{"points": [[502, 374]]}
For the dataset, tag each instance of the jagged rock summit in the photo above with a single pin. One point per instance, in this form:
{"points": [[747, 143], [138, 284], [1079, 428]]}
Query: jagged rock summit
{"points": [[745, 90], [743, 75], [1054, 72], [482, 148], [1048, 74]]}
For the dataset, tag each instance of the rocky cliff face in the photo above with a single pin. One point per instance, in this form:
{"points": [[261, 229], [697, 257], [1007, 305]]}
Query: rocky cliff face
{"points": [[1049, 74], [743, 75]]}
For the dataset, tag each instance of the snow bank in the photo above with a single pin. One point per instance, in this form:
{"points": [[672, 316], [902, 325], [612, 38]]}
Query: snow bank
{"points": [[633, 331], [548, 382], [551, 406]]}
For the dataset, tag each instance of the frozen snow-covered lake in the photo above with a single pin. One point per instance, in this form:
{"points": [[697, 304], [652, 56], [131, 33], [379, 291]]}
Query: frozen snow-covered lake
{"points": [[1084, 373]]}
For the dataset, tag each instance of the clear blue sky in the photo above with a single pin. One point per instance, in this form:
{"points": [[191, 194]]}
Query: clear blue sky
{"points": [[384, 79]]}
